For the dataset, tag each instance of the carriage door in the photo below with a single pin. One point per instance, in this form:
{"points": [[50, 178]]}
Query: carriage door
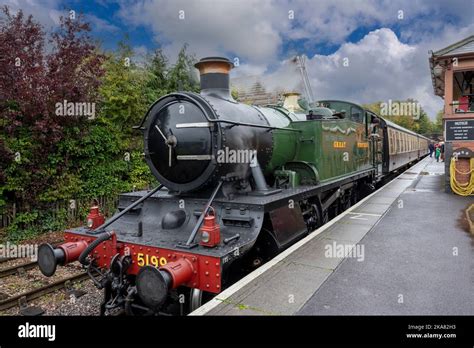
{"points": [[376, 143]]}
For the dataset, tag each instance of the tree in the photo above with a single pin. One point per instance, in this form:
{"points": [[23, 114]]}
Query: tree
{"points": [[32, 83], [438, 124], [157, 84], [424, 123], [22, 72], [181, 76], [123, 102]]}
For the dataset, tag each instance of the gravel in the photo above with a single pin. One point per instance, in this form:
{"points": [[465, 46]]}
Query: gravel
{"points": [[58, 302]]}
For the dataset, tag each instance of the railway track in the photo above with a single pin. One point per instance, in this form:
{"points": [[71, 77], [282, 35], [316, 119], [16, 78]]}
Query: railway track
{"points": [[6, 259], [41, 291], [17, 269]]}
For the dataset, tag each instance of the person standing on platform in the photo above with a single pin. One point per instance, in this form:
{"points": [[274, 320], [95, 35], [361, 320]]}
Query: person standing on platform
{"points": [[437, 153], [442, 151], [431, 148]]}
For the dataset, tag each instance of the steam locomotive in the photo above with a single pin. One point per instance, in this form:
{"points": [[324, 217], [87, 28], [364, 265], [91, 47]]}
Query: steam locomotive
{"points": [[238, 184]]}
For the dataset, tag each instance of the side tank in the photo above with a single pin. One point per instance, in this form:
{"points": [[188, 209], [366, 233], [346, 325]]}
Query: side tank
{"points": [[331, 143]]}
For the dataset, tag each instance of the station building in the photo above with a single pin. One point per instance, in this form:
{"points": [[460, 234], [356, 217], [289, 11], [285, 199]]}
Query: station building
{"points": [[452, 72]]}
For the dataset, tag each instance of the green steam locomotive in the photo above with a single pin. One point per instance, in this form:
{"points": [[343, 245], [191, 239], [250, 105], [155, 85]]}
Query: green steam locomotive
{"points": [[238, 184]]}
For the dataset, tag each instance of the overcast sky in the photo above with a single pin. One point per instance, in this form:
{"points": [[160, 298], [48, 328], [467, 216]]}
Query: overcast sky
{"points": [[386, 43]]}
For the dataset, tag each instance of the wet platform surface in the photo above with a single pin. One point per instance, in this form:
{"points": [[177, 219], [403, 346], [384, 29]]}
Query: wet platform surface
{"points": [[409, 254]]}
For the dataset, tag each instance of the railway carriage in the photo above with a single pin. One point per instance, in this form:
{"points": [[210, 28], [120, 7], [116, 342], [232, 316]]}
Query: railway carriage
{"points": [[403, 146]]}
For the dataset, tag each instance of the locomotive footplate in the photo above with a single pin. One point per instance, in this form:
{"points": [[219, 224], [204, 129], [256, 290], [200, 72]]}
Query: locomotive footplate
{"points": [[152, 232]]}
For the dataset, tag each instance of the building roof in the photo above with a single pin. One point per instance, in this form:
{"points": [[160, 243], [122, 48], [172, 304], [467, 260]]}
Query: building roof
{"points": [[457, 49], [461, 47]]}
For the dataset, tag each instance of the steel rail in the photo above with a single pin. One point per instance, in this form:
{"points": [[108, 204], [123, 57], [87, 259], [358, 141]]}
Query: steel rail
{"points": [[16, 269], [39, 292]]}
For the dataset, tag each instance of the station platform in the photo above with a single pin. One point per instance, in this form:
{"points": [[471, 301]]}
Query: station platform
{"points": [[410, 254]]}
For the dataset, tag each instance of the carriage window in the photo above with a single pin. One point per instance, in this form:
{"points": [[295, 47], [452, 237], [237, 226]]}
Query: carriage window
{"points": [[399, 142], [395, 143], [390, 139], [392, 135]]}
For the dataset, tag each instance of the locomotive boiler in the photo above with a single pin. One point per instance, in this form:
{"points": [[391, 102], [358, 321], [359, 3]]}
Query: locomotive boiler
{"points": [[238, 184], [187, 135]]}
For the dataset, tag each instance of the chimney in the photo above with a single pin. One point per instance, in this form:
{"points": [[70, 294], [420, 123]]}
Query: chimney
{"points": [[214, 73]]}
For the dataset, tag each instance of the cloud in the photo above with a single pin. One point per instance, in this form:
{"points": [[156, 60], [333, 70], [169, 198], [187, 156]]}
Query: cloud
{"points": [[249, 29], [379, 68], [100, 24], [43, 11], [335, 20]]}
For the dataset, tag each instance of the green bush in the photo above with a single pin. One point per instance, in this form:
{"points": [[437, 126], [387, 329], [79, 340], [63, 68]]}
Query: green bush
{"points": [[23, 226]]}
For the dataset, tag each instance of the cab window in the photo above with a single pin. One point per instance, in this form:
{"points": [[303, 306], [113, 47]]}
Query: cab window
{"points": [[357, 115]]}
